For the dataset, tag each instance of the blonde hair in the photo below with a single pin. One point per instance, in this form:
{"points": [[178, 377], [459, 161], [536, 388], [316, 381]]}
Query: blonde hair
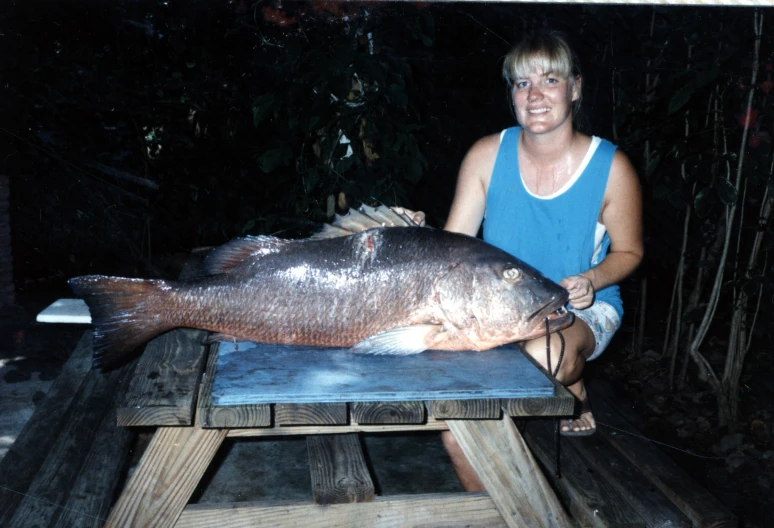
{"points": [[544, 51]]}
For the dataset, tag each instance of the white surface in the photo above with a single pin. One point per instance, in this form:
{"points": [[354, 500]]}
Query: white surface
{"points": [[66, 311]]}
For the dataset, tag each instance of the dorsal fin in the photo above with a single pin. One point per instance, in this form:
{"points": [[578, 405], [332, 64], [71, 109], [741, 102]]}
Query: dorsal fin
{"points": [[230, 255], [357, 220]]}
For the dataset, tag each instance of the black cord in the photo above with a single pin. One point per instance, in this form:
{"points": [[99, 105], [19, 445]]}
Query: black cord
{"points": [[557, 436]]}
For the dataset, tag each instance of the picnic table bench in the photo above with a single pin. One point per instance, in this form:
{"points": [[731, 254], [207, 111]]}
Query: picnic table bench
{"points": [[66, 467]]}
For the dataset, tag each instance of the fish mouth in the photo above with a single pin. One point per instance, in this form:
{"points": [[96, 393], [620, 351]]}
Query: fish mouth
{"points": [[553, 315]]}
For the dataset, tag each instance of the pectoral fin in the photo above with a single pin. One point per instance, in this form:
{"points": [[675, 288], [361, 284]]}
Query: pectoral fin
{"points": [[217, 338], [402, 341]]}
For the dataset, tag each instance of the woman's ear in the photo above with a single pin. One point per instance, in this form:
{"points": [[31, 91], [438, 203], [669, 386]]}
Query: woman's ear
{"points": [[576, 88]]}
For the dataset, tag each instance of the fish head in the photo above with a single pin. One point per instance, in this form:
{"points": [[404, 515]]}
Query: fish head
{"points": [[494, 298]]}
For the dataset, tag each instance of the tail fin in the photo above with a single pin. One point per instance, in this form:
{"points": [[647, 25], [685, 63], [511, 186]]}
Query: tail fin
{"points": [[122, 313]]}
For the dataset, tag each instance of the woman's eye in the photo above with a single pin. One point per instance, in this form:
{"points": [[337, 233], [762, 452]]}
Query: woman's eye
{"points": [[521, 84], [511, 274]]}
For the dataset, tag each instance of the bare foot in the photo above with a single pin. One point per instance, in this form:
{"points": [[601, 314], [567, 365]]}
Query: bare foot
{"points": [[582, 424]]}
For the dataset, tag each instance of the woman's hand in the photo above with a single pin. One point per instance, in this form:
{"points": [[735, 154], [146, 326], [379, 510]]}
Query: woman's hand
{"points": [[418, 217], [581, 291]]}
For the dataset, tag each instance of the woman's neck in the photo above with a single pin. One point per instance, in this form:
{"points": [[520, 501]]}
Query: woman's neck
{"points": [[550, 146]]}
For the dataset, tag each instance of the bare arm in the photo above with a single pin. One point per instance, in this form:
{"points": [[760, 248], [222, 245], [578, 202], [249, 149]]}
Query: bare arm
{"points": [[622, 217], [469, 205]]}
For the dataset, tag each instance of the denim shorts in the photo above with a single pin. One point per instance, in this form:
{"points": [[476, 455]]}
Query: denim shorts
{"points": [[603, 321]]}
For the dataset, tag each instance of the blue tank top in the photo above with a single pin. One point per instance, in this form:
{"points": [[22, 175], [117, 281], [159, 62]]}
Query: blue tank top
{"points": [[558, 234]]}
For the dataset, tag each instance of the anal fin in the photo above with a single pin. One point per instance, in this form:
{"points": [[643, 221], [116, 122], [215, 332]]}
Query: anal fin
{"points": [[401, 341]]}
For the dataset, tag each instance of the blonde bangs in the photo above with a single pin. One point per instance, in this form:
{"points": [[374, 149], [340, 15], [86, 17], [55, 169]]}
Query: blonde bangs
{"points": [[543, 53]]}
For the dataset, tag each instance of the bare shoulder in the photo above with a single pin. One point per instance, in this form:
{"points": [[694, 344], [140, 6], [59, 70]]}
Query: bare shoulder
{"points": [[467, 210], [479, 160], [483, 150], [622, 206], [623, 178]]}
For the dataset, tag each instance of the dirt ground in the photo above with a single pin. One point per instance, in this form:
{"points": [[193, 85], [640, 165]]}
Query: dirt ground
{"points": [[735, 463]]}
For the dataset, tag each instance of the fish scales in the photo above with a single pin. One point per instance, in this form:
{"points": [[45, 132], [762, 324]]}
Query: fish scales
{"points": [[292, 301], [383, 290]]}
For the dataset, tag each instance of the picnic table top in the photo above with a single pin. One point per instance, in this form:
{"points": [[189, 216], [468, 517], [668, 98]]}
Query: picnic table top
{"points": [[250, 373]]}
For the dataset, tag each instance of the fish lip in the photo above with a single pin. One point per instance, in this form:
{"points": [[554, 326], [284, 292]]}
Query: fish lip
{"points": [[549, 308]]}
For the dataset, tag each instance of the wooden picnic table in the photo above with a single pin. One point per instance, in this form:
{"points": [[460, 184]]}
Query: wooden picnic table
{"points": [[330, 396]]}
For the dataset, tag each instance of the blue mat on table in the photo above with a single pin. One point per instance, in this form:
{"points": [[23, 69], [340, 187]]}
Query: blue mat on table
{"points": [[250, 373]]}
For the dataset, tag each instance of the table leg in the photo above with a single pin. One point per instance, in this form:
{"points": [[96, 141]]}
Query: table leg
{"points": [[166, 476], [509, 472]]}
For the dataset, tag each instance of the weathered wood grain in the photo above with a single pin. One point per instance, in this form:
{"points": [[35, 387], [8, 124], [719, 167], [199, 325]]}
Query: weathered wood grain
{"points": [[339, 470], [166, 476], [509, 472], [56, 477], [30, 449], [698, 504], [592, 501], [408, 412], [91, 496], [441, 510], [560, 405], [311, 414], [166, 380], [625, 487], [209, 416], [465, 409], [431, 425]]}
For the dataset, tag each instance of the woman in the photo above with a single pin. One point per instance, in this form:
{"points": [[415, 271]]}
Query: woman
{"points": [[566, 203]]}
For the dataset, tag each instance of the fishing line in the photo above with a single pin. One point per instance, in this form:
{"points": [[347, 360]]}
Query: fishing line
{"points": [[659, 443], [557, 435], [33, 497]]}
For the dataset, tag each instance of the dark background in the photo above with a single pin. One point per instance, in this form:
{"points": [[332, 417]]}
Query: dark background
{"points": [[134, 132]]}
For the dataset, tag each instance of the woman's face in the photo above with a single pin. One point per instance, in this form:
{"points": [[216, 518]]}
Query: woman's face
{"points": [[543, 101]]}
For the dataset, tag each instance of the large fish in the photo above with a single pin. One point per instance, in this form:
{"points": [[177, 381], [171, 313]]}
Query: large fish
{"points": [[371, 281]]}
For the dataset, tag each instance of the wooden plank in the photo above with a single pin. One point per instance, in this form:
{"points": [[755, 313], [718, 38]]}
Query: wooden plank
{"points": [[310, 414], [625, 487], [165, 478], [431, 425], [209, 416], [166, 381], [592, 501], [93, 492], [30, 449], [439, 510], [339, 470], [698, 504], [407, 412], [465, 409], [509, 473], [42, 505], [249, 373]]}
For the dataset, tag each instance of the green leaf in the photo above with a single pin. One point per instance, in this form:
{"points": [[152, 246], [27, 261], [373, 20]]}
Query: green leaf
{"points": [[310, 180], [681, 97], [695, 315], [271, 159], [262, 108], [652, 164], [676, 199], [248, 226], [726, 191], [703, 202]]}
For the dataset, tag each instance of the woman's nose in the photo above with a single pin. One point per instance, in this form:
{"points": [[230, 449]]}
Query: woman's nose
{"points": [[534, 92]]}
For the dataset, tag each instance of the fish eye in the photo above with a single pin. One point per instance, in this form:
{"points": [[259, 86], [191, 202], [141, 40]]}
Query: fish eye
{"points": [[511, 274]]}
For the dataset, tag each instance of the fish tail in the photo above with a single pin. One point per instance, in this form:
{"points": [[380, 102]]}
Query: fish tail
{"points": [[123, 314]]}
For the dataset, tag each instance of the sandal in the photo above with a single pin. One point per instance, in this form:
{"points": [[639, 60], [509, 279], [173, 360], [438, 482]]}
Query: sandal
{"points": [[580, 408]]}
